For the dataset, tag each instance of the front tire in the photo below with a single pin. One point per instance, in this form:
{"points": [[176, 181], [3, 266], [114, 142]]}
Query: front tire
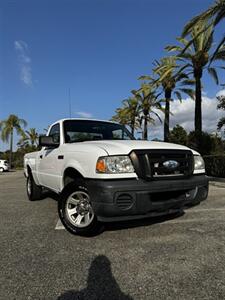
{"points": [[1, 170], [34, 192], [75, 210]]}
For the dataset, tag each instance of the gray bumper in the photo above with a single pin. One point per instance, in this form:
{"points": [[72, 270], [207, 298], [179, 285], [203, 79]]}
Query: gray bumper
{"points": [[114, 200]]}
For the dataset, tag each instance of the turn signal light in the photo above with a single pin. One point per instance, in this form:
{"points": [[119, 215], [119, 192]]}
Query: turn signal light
{"points": [[100, 166]]}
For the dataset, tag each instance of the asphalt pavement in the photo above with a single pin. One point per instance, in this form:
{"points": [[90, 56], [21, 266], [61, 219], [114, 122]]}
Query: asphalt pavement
{"points": [[163, 258]]}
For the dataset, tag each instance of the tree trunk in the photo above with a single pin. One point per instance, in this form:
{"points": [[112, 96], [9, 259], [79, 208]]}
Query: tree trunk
{"points": [[145, 127], [132, 127], [198, 105], [11, 149], [198, 108], [167, 115]]}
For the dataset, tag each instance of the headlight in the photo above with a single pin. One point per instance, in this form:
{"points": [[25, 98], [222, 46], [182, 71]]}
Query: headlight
{"points": [[199, 163], [114, 165]]}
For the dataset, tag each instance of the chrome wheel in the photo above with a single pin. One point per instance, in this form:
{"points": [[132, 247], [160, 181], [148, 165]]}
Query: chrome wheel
{"points": [[1, 170], [29, 186], [78, 209]]}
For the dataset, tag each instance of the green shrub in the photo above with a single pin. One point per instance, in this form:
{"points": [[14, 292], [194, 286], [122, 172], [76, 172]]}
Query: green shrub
{"points": [[178, 135], [206, 144], [215, 165]]}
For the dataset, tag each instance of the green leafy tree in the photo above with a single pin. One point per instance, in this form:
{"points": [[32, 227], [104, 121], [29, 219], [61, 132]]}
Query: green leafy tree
{"points": [[221, 105], [196, 57], [172, 79], [7, 128], [178, 135], [211, 143]]}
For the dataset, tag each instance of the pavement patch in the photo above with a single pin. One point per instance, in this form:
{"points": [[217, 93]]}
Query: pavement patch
{"points": [[59, 225]]}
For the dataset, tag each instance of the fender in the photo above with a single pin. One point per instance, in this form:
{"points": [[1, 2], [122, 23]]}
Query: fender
{"points": [[71, 164], [33, 172]]}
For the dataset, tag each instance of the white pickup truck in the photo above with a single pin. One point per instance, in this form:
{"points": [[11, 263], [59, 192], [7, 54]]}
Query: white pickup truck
{"points": [[103, 174]]}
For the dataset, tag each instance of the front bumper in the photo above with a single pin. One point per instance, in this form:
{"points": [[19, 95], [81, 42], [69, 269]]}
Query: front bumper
{"points": [[126, 199]]}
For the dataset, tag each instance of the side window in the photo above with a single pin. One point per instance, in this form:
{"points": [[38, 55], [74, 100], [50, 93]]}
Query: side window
{"points": [[120, 134], [55, 133]]}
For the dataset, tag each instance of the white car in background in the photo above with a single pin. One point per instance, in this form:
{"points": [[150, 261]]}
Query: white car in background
{"points": [[4, 166]]}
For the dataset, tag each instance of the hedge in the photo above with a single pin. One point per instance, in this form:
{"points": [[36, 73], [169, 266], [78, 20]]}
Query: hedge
{"points": [[215, 165]]}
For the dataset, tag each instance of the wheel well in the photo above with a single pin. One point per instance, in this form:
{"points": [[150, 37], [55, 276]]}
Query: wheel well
{"points": [[71, 174], [29, 172]]}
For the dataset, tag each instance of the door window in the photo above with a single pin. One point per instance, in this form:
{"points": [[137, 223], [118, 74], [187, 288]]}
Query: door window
{"points": [[55, 133]]}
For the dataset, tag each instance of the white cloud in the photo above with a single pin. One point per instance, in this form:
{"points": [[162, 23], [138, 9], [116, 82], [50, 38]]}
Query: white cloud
{"points": [[183, 114], [24, 62], [84, 114]]}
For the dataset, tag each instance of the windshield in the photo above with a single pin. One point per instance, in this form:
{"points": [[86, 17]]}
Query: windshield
{"points": [[83, 130]]}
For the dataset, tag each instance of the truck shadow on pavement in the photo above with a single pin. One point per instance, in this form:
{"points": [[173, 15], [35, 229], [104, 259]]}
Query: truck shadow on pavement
{"points": [[141, 222], [49, 194], [101, 284]]}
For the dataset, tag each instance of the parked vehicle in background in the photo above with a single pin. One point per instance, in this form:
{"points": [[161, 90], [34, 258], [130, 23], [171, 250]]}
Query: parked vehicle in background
{"points": [[103, 174], [4, 165]]}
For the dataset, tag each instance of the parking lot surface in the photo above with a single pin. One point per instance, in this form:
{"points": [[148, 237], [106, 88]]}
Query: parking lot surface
{"points": [[166, 258]]}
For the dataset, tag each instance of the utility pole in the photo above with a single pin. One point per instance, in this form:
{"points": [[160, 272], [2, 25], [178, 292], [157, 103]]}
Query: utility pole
{"points": [[69, 104]]}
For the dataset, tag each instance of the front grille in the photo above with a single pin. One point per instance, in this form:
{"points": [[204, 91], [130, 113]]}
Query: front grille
{"points": [[162, 164]]}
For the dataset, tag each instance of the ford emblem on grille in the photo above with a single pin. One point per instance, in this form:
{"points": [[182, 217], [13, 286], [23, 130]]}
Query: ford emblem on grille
{"points": [[171, 164]]}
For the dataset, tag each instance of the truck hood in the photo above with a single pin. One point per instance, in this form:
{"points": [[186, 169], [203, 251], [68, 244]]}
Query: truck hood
{"points": [[118, 147]]}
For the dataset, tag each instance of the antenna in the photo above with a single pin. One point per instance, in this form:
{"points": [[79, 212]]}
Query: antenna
{"points": [[69, 104]]}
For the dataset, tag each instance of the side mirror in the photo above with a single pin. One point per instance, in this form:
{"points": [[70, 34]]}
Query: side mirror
{"points": [[47, 141]]}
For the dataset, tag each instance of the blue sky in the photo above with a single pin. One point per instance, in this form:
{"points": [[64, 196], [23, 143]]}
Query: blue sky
{"points": [[97, 48]]}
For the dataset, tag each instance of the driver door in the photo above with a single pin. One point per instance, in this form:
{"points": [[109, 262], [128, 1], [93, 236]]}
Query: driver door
{"points": [[49, 171]]}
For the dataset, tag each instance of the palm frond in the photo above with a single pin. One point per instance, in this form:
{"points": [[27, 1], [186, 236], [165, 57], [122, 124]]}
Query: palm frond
{"points": [[218, 53], [181, 76], [184, 41], [188, 82], [145, 77], [221, 14], [178, 95], [170, 48], [213, 73], [186, 56], [189, 92], [204, 16], [208, 39]]}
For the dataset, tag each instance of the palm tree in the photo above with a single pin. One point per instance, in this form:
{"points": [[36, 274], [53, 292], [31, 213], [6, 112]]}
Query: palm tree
{"points": [[132, 109], [172, 79], [214, 15], [128, 114], [7, 129], [148, 104], [32, 136], [29, 137], [196, 57]]}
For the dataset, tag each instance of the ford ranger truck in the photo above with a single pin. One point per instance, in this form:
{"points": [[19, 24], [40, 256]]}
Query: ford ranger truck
{"points": [[102, 173]]}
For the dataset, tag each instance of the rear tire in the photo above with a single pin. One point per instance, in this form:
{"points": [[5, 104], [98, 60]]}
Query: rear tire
{"points": [[75, 210], [1, 170], [34, 192]]}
